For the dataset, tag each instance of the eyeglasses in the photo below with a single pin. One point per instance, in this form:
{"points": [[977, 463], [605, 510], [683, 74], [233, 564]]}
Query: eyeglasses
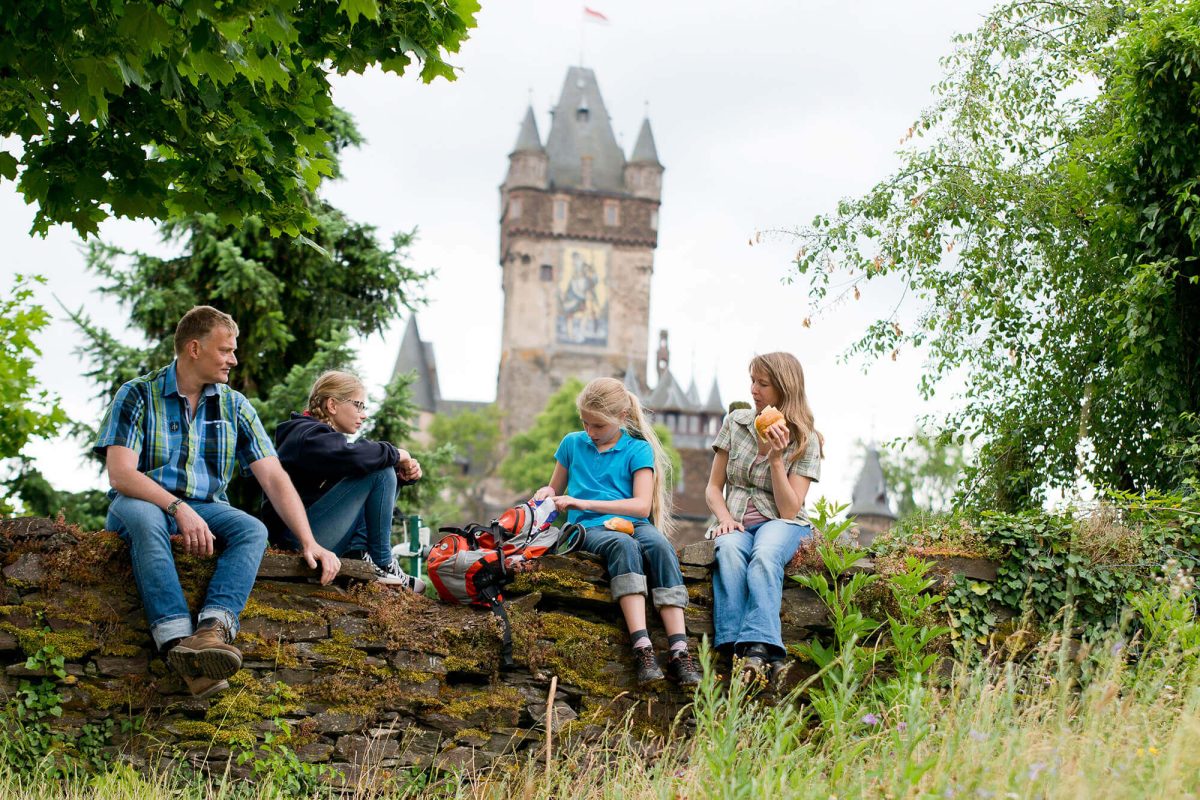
{"points": [[359, 404]]}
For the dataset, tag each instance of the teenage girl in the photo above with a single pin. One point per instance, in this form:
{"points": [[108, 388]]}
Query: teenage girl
{"points": [[616, 468], [348, 487]]}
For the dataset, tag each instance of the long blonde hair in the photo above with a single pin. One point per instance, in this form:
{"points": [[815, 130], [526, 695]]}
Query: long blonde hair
{"points": [[335, 385], [608, 399], [787, 377]]}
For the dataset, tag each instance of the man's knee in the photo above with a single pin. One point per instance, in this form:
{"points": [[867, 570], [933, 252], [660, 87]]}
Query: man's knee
{"points": [[138, 518]]}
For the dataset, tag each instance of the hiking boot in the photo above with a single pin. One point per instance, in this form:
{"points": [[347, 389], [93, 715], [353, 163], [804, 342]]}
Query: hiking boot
{"points": [[753, 665], [393, 575], [206, 653], [202, 687], [646, 665], [683, 668], [779, 672]]}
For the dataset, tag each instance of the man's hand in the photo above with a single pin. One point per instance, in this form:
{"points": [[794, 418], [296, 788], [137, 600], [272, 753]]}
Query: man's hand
{"points": [[314, 554], [197, 538]]}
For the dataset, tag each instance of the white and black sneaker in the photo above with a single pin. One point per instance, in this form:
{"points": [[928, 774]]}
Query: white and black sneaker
{"points": [[392, 575]]}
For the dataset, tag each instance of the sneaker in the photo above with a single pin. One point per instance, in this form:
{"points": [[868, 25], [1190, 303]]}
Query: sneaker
{"points": [[684, 669], [206, 653], [202, 687], [392, 575], [646, 665]]}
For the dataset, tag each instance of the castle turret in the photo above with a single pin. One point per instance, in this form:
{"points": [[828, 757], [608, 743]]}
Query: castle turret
{"points": [[643, 173], [528, 163]]}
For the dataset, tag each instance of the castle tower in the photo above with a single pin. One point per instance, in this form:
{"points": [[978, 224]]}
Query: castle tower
{"points": [[869, 504], [578, 229]]}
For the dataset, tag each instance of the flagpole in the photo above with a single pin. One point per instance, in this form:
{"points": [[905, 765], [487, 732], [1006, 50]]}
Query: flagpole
{"points": [[582, 30]]}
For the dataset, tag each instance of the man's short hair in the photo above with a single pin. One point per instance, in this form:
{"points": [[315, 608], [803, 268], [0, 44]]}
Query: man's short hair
{"points": [[199, 322]]}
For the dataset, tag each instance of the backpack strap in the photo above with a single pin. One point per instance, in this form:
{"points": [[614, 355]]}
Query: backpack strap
{"points": [[492, 595]]}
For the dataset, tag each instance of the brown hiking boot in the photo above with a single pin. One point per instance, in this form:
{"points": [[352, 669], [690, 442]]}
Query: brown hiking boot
{"points": [[206, 653], [205, 687]]}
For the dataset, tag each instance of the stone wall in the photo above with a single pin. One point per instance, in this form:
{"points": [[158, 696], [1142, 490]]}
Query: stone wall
{"points": [[369, 679]]}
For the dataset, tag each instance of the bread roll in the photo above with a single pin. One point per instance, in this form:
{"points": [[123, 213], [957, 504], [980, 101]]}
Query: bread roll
{"points": [[619, 524], [769, 416]]}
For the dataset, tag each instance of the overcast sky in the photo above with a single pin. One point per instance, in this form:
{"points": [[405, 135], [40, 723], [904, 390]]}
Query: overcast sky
{"points": [[764, 113]]}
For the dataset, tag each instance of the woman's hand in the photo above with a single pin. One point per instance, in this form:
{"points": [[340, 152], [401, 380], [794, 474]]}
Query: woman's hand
{"points": [[543, 493], [727, 526], [564, 502], [778, 438]]}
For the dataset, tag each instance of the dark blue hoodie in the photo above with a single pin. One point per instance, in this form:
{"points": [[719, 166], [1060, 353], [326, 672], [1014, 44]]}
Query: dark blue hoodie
{"points": [[316, 457]]}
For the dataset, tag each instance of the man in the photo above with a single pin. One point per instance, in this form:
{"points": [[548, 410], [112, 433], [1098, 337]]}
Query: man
{"points": [[170, 442]]}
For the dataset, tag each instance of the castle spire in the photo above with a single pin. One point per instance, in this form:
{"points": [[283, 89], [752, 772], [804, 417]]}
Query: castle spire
{"points": [[644, 151], [580, 132], [528, 140]]}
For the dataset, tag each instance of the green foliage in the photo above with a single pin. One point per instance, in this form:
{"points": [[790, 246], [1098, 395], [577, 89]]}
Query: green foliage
{"points": [[530, 459], [274, 762], [923, 471], [289, 299], [162, 110], [26, 411], [1043, 218], [474, 437], [33, 747], [87, 509], [1054, 565]]}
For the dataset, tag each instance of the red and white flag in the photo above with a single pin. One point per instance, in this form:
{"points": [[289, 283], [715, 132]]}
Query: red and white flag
{"points": [[592, 15]]}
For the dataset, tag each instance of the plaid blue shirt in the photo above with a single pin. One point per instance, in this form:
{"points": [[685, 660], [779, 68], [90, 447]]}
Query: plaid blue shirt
{"points": [[193, 459]]}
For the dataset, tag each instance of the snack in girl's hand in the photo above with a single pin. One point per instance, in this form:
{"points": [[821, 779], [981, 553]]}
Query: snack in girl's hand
{"points": [[769, 416], [619, 524]]}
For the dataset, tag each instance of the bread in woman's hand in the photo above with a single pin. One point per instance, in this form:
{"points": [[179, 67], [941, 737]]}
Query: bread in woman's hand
{"points": [[619, 524], [769, 416]]}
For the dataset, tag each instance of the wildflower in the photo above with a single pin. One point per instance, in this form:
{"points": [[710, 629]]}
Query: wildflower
{"points": [[1035, 769], [1117, 647], [870, 719], [976, 736], [1141, 751], [1153, 751], [902, 726]]}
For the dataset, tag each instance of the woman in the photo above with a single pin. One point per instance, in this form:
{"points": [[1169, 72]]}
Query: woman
{"points": [[348, 488], [757, 490]]}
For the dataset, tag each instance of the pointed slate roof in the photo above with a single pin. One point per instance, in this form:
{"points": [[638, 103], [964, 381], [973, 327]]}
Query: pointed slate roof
{"points": [[869, 497], [581, 128], [529, 140], [667, 396], [644, 151], [417, 356], [713, 404], [693, 394]]}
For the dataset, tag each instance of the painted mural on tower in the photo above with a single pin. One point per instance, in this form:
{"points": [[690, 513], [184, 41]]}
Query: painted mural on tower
{"points": [[583, 297]]}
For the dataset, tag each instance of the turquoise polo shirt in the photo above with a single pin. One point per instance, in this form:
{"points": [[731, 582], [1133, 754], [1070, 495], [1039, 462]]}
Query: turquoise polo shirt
{"points": [[593, 475]]}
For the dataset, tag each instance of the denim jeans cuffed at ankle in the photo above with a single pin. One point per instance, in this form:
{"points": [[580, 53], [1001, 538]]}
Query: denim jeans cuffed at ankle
{"points": [[748, 582], [240, 538], [635, 562]]}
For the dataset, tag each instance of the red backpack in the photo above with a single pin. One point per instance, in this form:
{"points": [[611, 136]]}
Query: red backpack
{"points": [[472, 565]]}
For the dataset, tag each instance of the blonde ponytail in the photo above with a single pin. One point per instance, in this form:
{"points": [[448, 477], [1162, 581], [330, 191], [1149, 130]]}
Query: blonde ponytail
{"points": [[609, 399]]}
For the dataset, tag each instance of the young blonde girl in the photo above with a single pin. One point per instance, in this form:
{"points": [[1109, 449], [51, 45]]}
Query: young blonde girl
{"points": [[616, 468]]}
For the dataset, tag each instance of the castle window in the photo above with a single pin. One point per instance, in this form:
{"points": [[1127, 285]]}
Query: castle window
{"points": [[693, 424], [514, 208], [525, 259], [560, 210], [654, 219], [612, 213], [547, 272]]}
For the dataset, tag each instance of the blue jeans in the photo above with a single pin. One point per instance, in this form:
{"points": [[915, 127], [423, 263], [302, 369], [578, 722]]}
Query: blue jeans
{"points": [[355, 514], [631, 558], [748, 582], [241, 540]]}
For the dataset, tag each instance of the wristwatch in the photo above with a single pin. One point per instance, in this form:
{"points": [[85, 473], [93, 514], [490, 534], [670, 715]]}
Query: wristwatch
{"points": [[174, 507]]}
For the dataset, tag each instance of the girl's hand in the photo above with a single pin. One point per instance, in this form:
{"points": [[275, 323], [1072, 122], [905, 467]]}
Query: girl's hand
{"points": [[542, 493], [778, 439], [564, 502], [408, 468], [727, 526]]}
